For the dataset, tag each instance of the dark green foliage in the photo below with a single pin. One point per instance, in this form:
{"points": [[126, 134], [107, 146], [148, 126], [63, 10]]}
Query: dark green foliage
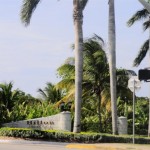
{"points": [[70, 137], [27, 10], [50, 93], [16, 105]]}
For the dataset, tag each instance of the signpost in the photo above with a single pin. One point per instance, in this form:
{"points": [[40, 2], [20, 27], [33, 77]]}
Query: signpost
{"points": [[134, 84]]}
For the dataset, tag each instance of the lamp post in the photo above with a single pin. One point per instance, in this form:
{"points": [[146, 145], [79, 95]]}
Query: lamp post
{"points": [[147, 6]]}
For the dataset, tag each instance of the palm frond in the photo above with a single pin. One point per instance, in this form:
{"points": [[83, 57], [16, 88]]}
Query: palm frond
{"points": [[65, 84], [27, 10], [142, 53], [141, 14], [146, 25], [83, 3], [98, 38], [42, 93], [69, 97]]}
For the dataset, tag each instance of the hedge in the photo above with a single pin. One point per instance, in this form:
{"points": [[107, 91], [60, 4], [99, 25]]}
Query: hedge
{"points": [[69, 136]]}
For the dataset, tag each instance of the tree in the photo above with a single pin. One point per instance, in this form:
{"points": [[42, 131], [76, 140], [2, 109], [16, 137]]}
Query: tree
{"points": [[138, 16], [112, 64], [50, 93], [95, 78], [95, 84], [96, 73], [8, 98], [78, 7], [146, 46]]}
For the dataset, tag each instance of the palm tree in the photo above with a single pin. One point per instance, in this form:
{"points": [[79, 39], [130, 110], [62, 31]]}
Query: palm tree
{"points": [[95, 77], [144, 13], [96, 95], [78, 7], [112, 64], [7, 96], [50, 93], [96, 72], [138, 16]]}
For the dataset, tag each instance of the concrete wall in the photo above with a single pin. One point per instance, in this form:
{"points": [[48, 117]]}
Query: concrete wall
{"points": [[61, 121]]}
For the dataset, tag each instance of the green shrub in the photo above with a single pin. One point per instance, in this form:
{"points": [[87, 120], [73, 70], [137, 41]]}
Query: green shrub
{"points": [[69, 136]]}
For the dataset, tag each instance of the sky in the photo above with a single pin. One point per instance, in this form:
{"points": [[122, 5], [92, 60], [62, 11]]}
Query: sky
{"points": [[30, 56]]}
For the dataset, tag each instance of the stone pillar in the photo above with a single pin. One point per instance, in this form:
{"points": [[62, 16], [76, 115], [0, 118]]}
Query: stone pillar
{"points": [[122, 125], [65, 121]]}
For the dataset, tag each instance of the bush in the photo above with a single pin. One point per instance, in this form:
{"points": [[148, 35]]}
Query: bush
{"points": [[69, 136]]}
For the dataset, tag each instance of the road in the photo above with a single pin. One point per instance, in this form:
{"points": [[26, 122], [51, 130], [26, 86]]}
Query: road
{"points": [[37, 145], [33, 146]]}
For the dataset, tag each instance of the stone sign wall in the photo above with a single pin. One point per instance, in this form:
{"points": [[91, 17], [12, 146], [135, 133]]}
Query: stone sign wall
{"points": [[61, 121]]}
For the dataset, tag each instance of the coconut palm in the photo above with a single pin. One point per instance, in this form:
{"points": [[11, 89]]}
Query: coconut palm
{"points": [[112, 64], [50, 93], [78, 7], [95, 77], [96, 73], [139, 16], [144, 13], [8, 96], [96, 95]]}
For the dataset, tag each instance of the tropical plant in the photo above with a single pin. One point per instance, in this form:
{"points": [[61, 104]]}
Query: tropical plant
{"points": [[95, 80], [142, 14], [50, 93], [34, 109], [95, 73], [78, 7], [7, 95], [112, 64], [139, 16], [8, 98]]}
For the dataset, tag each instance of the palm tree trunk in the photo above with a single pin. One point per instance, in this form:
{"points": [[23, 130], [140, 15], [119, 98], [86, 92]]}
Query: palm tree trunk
{"points": [[149, 121], [99, 111], [78, 20], [149, 98], [112, 64]]}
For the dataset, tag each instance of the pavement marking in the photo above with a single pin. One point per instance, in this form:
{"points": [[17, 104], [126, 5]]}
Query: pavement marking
{"points": [[86, 146]]}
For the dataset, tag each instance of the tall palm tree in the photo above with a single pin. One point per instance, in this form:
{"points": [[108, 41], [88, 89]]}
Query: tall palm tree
{"points": [[78, 6], [112, 64], [138, 16], [147, 6], [95, 75], [144, 13], [96, 72], [96, 95]]}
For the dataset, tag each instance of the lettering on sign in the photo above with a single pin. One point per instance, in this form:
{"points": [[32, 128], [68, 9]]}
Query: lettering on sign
{"points": [[39, 123]]}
